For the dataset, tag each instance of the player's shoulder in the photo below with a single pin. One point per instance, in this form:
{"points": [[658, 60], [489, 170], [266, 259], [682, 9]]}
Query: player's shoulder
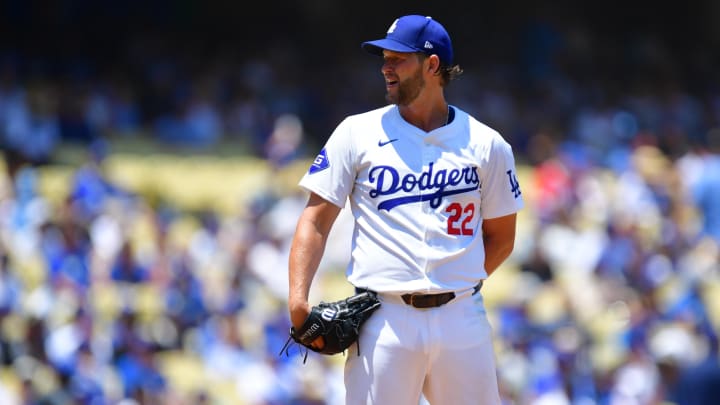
{"points": [[354, 127]]}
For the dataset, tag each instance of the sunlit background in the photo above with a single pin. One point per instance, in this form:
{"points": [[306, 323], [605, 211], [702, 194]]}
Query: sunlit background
{"points": [[148, 194]]}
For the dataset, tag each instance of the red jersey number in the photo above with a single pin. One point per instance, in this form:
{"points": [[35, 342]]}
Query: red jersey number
{"points": [[458, 222]]}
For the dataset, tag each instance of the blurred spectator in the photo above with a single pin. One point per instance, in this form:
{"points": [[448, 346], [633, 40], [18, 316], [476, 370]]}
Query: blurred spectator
{"points": [[90, 189], [689, 369], [126, 269], [29, 124], [11, 288], [706, 189], [284, 144], [195, 120], [133, 357], [85, 383], [111, 107], [66, 246], [73, 121], [185, 300], [248, 119]]}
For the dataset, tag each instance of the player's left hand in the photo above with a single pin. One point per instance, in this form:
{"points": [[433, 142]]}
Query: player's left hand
{"points": [[330, 328]]}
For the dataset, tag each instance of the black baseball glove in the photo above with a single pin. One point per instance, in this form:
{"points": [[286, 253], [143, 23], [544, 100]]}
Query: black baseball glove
{"points": [[337, 322]]}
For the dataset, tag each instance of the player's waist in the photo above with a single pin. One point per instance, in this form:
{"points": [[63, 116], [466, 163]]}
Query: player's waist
{"points": [[425, 299]]}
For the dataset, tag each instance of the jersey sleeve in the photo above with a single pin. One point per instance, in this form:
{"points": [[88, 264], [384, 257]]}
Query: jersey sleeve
{"points": [[501, 194], [332, 174]]}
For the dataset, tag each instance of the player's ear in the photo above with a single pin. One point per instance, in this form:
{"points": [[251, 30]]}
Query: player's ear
{"points": [[434, 64]]}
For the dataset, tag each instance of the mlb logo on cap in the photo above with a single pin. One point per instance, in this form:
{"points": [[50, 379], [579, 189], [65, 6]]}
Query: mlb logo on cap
{"points": [[414, 33]]}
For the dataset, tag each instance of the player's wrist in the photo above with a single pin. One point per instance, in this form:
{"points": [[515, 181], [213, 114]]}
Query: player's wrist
{"points": [[299, 311]]}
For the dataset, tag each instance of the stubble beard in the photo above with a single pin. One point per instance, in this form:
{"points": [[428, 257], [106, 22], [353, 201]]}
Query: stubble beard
{"points": [[408, 90]]}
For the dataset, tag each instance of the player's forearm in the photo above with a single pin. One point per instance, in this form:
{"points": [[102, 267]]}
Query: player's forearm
{"points": [[498, 240], [496, 251], [308, 246], [305, 256]]}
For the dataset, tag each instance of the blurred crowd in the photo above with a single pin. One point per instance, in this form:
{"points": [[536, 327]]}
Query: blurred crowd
{"points": [[612, 295]]}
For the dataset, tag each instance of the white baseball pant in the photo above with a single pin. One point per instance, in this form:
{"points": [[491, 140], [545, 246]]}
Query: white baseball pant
{"points": [[445, 353]]}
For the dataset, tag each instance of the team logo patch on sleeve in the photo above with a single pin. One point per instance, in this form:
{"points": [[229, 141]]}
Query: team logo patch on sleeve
{"points": [[514, 184], [321, 162]]}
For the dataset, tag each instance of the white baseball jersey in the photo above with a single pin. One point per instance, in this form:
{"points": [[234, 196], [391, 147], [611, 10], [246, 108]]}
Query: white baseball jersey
{"points": [[418, 197]]}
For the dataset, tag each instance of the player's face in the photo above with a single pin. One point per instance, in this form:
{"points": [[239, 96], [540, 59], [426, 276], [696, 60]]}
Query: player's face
{"points": [[403, 77]]}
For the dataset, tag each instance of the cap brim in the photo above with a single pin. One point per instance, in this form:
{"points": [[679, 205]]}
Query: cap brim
{"points": [[377, 47]]}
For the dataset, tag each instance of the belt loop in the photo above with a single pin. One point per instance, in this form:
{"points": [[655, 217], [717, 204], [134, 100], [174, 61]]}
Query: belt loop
{"points": [[477, 287]]}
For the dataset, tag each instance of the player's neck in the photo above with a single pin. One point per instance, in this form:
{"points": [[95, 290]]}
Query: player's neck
{"points": [[426, 115]]}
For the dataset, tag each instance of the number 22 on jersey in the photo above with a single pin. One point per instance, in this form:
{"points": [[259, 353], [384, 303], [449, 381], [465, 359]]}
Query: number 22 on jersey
{"points": [[458, 223]]}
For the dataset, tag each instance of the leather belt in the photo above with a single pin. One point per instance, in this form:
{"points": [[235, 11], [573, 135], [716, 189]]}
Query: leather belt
{"points": [[419, 300], [427, 300]]}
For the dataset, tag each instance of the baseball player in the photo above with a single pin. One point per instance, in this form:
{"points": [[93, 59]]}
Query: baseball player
{"points": [[434, 196]]}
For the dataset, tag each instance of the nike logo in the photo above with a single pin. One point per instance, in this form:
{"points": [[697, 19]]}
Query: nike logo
{"points": [[381, 143]]}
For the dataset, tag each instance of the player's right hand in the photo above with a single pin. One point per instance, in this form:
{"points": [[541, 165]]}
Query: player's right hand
{"points": [[298, 314]]}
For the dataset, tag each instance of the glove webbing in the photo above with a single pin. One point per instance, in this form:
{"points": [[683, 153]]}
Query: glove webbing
{"points": [[286, 349], [291, 342]]}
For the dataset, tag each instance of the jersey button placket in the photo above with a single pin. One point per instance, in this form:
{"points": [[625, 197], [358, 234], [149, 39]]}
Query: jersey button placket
{"points": [[427, 158]]}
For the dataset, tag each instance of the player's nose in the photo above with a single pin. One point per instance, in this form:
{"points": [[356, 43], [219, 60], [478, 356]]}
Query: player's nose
{"points": [[387, 67]]}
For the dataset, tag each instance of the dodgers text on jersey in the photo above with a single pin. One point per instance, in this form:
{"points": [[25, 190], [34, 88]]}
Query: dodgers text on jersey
{"points": [[433, 183]]}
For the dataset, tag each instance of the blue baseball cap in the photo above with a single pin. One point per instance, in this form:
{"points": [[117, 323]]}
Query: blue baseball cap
{"points": [[414, 33]]}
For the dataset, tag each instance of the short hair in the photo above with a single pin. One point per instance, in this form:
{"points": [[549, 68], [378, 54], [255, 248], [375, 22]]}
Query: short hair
{"points": [[448, 73]]}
